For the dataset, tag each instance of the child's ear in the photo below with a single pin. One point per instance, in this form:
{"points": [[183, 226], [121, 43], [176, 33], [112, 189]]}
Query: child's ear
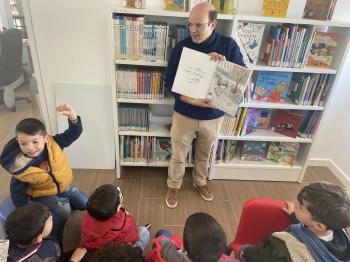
{"points": [[39, 238], [321, 227], [46, 138], [119, 207]]}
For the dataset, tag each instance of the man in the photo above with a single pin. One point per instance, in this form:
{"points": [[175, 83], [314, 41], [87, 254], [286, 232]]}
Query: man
{"points": [[195, 117]]}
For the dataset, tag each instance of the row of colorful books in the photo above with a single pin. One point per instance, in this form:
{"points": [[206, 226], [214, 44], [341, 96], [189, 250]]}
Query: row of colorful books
{"points": [[139, 82], [286, 122], [229, 151], [221, 6], [133, 117], [136, 40], [281, 87]]}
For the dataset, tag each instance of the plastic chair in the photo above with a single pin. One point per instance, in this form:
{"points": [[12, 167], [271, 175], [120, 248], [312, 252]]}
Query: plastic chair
{"points": [[6, 207], [260, 217]]}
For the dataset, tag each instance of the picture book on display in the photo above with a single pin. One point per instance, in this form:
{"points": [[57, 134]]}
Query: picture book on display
{"points": [[272, 86], [163, 149], [275, 8], [134, 3], [319, 9], [175, 5], [283, 153], [223, 83], [224, 6], [249, 36], [256, 119], [226, 151], [254, 151], [323, 49], [287, 122]]}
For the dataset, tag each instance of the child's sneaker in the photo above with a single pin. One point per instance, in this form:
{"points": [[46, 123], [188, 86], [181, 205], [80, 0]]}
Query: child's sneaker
{"points": [[204, 192], [171, 197]]}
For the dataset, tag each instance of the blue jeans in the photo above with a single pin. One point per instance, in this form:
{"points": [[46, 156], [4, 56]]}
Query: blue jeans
{"points": [[61, 205]]}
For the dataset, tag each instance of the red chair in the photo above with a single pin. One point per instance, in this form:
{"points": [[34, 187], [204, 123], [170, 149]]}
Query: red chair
{"points": [[260, 217]]}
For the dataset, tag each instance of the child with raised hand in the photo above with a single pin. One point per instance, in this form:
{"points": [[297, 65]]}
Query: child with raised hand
{"points": [[40, 170]]}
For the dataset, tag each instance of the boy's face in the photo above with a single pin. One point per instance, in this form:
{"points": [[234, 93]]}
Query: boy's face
{"points": [[32, 145], [47, 227]]}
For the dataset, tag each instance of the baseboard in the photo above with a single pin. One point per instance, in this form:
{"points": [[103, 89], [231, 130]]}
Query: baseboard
{"points": [[333, 168]]}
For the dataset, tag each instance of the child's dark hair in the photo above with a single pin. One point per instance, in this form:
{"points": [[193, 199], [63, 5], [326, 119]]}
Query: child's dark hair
{"points": [[327, 203], [103, 202], [204, 239], [114, 252], [25, 223], [31, 126]]}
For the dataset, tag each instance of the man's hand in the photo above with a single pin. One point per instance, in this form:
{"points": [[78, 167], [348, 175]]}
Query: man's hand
{"points": [[196, 101], [290, 208], [216, 57], [67, 110]]}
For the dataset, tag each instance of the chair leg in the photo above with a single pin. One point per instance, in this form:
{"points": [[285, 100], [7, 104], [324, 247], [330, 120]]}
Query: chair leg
{"points": [[9, 97]]}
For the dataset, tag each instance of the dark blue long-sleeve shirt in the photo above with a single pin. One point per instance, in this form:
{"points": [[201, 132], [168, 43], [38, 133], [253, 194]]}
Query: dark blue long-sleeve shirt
{"points": [[218, 43]]}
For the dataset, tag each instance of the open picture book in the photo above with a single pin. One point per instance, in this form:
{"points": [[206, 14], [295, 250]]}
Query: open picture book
{"points": [[223, 83]]}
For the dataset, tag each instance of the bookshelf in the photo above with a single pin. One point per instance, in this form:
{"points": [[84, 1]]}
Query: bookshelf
{"points": [[237, 168]]}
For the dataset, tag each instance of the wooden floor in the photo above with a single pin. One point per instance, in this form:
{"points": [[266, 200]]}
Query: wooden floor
{"points": [[144, 188]]}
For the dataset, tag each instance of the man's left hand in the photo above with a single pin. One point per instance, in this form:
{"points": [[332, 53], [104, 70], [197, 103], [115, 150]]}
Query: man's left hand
{"points": [[216, 57]]}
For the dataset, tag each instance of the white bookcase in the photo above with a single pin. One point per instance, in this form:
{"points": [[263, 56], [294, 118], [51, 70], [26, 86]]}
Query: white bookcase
{"points": [[238, 169]]}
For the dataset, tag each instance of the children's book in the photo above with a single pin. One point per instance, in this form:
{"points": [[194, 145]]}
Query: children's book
{"points": [[287, 122], [256, 119], [283, 153], [163, 149], [275, 8], [254, 151], [319, 9], [272, 86], [175, 5], [222, 83], [224, 6], [134, 3], [249, 40], [193, 3], [323, 49], [230, 151]]}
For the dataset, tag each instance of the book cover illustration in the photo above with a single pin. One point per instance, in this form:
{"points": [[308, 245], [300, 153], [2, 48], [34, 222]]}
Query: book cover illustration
{"points": [[287, 122], [224, 6], [256, 119], [323, 49], [283, 153], [163, 149], [230, 151], [254, 151], [272, 86], [275, 8], [249, 40], [175, 5], [318, 9], [134, 3]]}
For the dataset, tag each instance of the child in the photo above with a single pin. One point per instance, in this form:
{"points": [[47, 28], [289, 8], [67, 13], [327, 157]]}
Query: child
{"points": [[106, 221], [118, 253], [323, 210], [204, 240], [27, 228], [40, 170]]}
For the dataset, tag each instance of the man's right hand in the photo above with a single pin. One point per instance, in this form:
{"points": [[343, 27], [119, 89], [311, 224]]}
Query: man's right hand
{"points": [[196, 101]]}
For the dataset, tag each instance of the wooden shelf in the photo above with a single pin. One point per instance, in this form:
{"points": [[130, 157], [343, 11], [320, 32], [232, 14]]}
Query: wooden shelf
{"points": [[262, 104], [267, 136], [141, 63], [164, 101], [314, 70], [156, 129]]}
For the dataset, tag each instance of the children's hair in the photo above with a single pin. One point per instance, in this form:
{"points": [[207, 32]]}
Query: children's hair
{"points": [[31, 126], [204, 239], [103, 202], [327, 203], [115, 252], [25, 223]]}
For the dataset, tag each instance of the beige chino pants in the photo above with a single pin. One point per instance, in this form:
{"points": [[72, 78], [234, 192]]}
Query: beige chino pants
{"points": [[183, 131]]}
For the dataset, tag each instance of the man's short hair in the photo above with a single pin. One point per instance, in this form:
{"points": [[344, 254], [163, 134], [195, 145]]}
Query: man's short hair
{"points": [[212, 15], [25, 223], [327, 203], [103, 202], [31, 126], [204, 239], [114, 252]]}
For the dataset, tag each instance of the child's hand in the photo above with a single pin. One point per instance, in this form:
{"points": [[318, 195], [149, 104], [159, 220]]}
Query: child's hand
{"points": [[290, 208], [67, 110], [78, 254]]}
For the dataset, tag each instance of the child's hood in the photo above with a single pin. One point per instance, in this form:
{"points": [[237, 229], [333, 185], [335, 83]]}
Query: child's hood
{"points": [[9, 154]]}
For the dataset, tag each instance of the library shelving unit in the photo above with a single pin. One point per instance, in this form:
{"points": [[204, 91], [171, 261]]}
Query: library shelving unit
{"points": [[237, 169]]}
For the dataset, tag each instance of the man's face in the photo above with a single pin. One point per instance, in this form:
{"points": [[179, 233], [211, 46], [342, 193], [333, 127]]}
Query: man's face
{"points": [[199, 26], [32, 145]]}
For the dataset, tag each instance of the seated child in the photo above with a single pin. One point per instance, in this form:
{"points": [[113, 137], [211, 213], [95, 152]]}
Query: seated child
{"points": [[204, 240], [40, 170], [321, 214], [106, 221], [118, 253], [27, 228]]}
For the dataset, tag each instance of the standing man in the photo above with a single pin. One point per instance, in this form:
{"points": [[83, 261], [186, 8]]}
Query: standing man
{"points": [[195, 117]]}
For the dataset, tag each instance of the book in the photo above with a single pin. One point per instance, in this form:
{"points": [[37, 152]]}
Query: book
{"points": [[230, 151], [275, 8], [175, 5], [249, 36], [193, 3], [286, 122], [283, 153], [323, 49], [256, 119], [272, 86], [254, 151], [222, 83], [134, 3], [319, 9], [224, 6], [163, 149]]}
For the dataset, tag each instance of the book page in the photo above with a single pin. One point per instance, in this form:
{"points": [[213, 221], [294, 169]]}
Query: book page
{"points": [[194, 74]]}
